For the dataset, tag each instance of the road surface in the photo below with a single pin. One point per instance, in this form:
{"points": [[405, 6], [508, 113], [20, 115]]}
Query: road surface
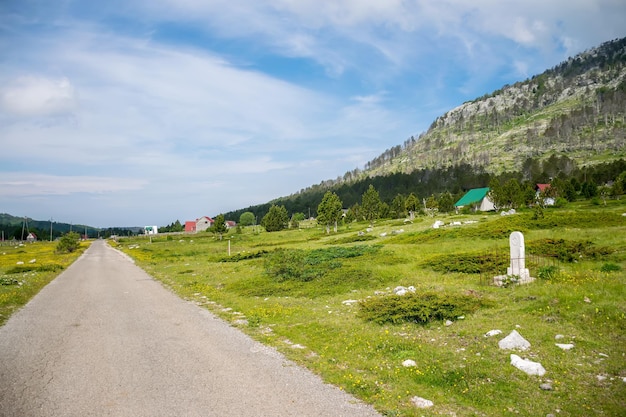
{"points": [[105, 339]]}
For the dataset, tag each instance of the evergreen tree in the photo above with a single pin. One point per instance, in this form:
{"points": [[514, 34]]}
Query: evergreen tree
{"points": [[276, 219], [370, 204], [219, 225], [329, 211]]}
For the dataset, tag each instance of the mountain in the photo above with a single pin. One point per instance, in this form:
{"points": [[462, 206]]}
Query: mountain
{"points": [[575, 109], [18, 227], [569, 120]]}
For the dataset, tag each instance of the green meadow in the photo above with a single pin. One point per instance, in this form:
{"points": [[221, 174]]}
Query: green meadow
{"points": [[28, 267], [327, 303]]}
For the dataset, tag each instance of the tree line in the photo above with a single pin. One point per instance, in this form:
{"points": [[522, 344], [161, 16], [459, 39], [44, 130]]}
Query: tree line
{"points": [[425, 191]]}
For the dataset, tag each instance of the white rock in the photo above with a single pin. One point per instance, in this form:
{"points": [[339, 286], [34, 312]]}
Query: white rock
{"points": [[383, 234], [349, 302], [400, 290], [530, 367], [514, 341], [438, 224], [565, 346], [494, 332], [20, 263], [32, 261], [409, 363], [559, 336], [448, 323], [422, 402], [601, 377]]}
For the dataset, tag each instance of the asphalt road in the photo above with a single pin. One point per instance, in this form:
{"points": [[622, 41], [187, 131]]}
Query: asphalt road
{"points": [[105, 339]]}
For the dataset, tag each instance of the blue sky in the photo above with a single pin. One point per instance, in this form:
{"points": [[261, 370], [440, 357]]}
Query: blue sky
{"points": [[141, 112]]}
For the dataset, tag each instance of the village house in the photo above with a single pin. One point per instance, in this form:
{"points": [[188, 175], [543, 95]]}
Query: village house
{"points": [[198, 225], [478, 199]]}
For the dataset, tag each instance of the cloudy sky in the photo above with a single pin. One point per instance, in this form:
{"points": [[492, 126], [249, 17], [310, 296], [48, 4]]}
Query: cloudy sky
{"points": [[140, 112]]}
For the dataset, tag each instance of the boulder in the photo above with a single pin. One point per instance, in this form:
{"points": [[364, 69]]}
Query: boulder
{"points": [[514, 341], [530, 367]]}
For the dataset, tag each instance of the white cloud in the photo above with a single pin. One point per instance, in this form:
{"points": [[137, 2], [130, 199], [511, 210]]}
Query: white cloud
{"points": [[41, 96], [21, 184]]}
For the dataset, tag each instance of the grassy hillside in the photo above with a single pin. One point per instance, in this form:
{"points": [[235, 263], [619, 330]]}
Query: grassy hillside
{"points": [[326, 301]]}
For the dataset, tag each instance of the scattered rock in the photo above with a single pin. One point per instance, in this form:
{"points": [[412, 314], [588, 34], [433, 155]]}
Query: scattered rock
{"points": [[349, 302], [400, 290], [409, 363], [546, 386], [421, 402], [604, 355], [514, 341], [383, 234], [559, 336], [586, 300], [32, 261], [438, 224], [448, 323], [565, 346], [20, 263], [491, 333], [530, 367]]}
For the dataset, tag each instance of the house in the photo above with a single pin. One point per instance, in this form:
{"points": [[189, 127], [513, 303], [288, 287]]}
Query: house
{"points": [[190, 226], [203, 223], [230, 224], [478, 198], [31, 237], [543, 190]]}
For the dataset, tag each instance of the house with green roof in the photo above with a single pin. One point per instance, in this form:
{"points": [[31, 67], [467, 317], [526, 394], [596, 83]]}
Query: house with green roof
{"points": [[478, 199]]}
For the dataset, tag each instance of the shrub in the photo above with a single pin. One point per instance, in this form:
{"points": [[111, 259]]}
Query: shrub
{"points": [[419, 308], [37, 268], [68, 243], [300, 265], [548, 272], [610, 267], [466, 263]]}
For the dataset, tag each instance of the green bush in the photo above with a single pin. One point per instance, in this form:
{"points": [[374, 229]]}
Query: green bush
{"points": [[466, 263], [300, 265], [33, 267], [419, 308], [548, 272], [68, 243], [568, 250], [610, 267]]}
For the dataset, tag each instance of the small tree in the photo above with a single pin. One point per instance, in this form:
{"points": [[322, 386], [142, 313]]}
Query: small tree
{"points": [[445, 202], [68, 243], [412, 205], [370, 204], [329, 211], [398, 206], [247, 219], [219, 225], [276, 219]]}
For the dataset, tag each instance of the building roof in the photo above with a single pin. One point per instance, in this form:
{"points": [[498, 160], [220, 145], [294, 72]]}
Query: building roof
{"points": [[472, 196], [543, 187]]}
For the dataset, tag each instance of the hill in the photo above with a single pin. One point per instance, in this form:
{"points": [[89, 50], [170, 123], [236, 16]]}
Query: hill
{"points": [[575, 109], [569, 120]]}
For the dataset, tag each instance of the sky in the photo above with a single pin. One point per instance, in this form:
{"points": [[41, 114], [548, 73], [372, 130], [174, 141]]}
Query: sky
{"points": [[144, 112]]}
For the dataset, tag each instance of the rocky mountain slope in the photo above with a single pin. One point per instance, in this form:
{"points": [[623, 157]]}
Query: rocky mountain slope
{"points": [[575, 109]]}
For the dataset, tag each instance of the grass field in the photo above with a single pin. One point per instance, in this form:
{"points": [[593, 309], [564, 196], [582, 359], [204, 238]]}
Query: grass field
{"points": [[26, 268], [325, 301]]}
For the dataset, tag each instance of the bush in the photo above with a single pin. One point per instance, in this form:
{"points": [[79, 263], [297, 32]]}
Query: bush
{"points": [[68, 243], [548, 272], [610, 267], [466, 263], [419, 308], [300, 265]]}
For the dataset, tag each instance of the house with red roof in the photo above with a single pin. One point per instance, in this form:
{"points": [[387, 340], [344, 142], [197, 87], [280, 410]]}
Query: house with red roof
{"points": [[198, 225]]}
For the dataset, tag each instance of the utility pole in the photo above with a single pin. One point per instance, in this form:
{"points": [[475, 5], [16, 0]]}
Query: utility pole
{"points": [[50, 229]]}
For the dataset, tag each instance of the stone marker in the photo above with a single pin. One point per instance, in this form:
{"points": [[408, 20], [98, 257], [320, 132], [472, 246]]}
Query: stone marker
{"points": [[517, 270]]}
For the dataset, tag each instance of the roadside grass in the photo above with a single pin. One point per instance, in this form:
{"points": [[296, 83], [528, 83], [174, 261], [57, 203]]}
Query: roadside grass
{"points": [[26, 268], [305, 293]]}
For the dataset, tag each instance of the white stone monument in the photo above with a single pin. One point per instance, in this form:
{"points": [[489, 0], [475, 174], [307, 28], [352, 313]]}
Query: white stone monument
{"points": [[517, 272]]}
